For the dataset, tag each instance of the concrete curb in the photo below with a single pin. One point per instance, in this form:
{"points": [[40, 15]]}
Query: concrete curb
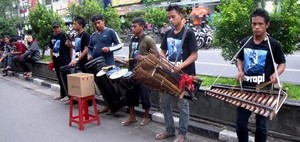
{"points": [[198, 128]]}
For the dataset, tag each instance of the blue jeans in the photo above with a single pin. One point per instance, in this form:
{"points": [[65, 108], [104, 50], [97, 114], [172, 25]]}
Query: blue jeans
{"points": [[11, 59], [242, 126], [184, 113]]}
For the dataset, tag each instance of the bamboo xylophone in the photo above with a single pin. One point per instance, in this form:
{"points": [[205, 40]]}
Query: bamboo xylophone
{"points": [[264, 102]]}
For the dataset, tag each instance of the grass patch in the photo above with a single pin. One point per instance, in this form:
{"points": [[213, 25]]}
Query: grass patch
{"points": [[46, 58], [293, 90]]}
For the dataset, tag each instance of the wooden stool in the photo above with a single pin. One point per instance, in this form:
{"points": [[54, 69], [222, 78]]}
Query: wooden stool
{"points": [[83, 116]]}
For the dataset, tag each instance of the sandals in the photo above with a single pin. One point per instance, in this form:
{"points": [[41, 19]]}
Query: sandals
{"points": [[27, 75], [145, 122], [128, 122], [180, 138], [163, 135]]}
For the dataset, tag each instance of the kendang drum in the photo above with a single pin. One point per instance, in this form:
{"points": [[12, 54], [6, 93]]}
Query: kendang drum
{"points": [[265, 102], [95, 65], [114, 99], [127, 80], [159, 74]]}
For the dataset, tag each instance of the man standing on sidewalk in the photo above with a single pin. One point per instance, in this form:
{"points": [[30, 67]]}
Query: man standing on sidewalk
{"points": [[103, 43], [139, 47], [179, 44], [255, 61], [60, 54], [82, 41]]}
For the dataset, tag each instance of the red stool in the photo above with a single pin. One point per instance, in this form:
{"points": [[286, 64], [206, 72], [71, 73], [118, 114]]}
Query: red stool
{"points": [[83, 116]]}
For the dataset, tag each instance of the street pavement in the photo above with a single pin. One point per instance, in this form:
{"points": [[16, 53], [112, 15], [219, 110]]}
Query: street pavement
{"points": [[29, 114]]}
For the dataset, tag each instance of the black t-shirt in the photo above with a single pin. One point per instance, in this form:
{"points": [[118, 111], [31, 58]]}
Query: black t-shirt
{"points": [[60, 49], [171, 43], [258, 64], [134, 52], [82, 40], [134, 47]]}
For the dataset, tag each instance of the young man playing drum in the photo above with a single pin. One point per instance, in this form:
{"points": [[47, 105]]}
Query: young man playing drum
{"points": [[82, 41], [256, 66], [139, 47], [101, 44], [185, 54]]}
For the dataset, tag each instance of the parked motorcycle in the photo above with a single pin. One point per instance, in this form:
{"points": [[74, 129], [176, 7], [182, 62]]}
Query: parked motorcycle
{"points": [[203, 37]]}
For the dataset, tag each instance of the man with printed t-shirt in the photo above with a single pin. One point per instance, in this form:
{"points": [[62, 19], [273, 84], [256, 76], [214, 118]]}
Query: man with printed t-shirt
{"points": [[60, 54], [82, 41], [178, 45], [256, 66], [139, 47]]}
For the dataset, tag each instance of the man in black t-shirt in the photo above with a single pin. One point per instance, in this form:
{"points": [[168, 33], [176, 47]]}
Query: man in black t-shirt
{"points": [[255, 66], [186, 55], [82, 41], [60, 54]]}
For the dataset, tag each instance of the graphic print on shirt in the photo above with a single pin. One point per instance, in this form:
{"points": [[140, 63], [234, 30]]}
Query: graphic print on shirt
{"points": [[77, 44], [135, 50], [56, 45], [254, 64], [174, 49]]}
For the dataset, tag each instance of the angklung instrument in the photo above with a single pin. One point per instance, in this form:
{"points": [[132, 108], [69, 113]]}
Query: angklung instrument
{"points": [[159, 74]]}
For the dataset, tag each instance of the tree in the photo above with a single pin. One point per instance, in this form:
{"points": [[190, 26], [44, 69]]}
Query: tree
{"points": [[7, 27], [40, 20], [91, 7], [233, 23], [7, 6], [156, 16]]}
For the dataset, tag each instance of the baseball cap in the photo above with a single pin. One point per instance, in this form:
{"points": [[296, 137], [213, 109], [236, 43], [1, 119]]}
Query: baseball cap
{"points": [[55, 24]]}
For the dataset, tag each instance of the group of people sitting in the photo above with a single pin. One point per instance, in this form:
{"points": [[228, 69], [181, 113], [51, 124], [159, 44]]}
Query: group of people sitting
{"points": [[13, 51]]}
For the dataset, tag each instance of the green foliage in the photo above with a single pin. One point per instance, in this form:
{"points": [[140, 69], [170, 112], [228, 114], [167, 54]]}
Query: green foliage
{"points": [[130, 16], [156, 16], [8, 6], [7, 27], [112, 19], [40, 20], [233, 24], [91, 7], [285, 25]]}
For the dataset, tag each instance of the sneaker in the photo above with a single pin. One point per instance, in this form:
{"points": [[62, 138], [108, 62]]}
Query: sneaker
{"points": [[65, 99], [180, 138], [58, 97]]}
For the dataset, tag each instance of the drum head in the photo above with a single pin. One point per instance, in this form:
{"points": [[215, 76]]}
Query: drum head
{"points": [[128, 74], [118, 74], [100, 73]]}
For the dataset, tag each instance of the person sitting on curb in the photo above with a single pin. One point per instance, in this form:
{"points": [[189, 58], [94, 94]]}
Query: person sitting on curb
{"points": [[15, 51], [31, 55]]}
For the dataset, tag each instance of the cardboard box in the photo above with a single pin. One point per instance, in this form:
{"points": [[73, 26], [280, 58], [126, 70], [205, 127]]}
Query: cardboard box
{"points": [[81, 84]]}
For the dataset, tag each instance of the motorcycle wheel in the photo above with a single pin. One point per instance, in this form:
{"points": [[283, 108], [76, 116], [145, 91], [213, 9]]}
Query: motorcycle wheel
{"points": [[200, 43], [208, 43]]}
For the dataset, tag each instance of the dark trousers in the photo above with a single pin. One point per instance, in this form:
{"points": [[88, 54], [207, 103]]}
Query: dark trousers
{"points": [[139, 92], [24, 65], [242, 126], [58, 63]]}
